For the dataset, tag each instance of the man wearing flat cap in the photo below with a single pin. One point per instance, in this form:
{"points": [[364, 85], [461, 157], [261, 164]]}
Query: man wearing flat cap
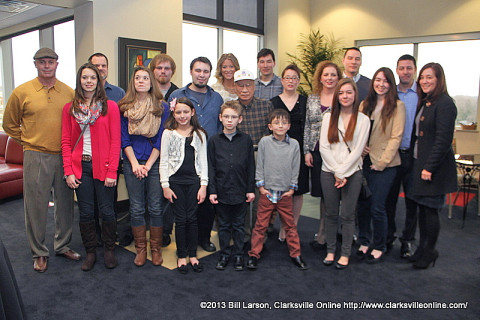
{"points": [[33, 118]]}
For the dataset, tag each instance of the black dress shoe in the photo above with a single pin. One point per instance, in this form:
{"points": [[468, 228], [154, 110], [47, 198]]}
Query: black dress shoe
{"points": [[428, 257], [238, 266], [222, 263], [197, 267], [183, 269], [299, 263], [372, 260], [252, 263], [340, 266], [166, 240], [208, 246], [318, 246], [406, 250], [328, 262]]}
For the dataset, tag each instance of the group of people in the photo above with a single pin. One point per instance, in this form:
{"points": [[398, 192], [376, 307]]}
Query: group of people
{"points": [[242, 150]]}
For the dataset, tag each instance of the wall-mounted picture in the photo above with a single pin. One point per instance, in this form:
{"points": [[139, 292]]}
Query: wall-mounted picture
{"points": [[133, 53]]}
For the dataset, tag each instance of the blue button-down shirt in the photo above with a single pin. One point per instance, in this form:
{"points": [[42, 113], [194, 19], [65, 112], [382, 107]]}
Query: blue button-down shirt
{"points": [[113, 92], [410, 98], [207, 113]]}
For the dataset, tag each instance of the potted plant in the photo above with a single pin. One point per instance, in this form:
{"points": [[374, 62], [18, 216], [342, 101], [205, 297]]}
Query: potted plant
{"points": [[314, 48]]}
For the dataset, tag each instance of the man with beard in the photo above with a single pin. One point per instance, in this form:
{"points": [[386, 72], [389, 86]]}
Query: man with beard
{"points": [[207, 105], [163, 68]]}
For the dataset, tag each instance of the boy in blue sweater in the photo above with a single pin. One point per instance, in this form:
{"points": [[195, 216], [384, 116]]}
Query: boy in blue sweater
{"points": [[231, 171]]}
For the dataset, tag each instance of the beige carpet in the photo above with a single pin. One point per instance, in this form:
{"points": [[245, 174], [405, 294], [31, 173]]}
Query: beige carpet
{"points": [[169, 253]]}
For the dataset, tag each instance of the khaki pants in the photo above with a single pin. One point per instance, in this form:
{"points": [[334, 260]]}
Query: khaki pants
{"points": [[41, 173]]}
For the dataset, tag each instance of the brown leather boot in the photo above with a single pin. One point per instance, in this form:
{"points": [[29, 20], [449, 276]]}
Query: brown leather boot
{"points": [[109, 233], [89, 239], [156, 237], [140, 237]]}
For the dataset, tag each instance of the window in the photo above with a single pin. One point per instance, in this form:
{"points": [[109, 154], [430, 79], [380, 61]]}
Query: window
{"points": [[245, 15], [458, 55], [64, 39], [243, 45], [23, 49]]}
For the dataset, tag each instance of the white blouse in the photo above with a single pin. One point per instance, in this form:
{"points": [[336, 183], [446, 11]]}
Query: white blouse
{"points": [[336, 157]]}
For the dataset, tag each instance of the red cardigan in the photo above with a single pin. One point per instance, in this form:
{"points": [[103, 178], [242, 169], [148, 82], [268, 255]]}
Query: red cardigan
{"points": [[105, 135]]}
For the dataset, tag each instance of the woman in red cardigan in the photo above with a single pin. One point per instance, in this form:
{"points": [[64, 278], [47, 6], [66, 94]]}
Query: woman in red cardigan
{"points": [[91, 151]]}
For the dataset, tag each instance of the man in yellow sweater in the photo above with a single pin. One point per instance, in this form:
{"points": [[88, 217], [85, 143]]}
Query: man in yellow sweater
{"points": [[33, 118]]}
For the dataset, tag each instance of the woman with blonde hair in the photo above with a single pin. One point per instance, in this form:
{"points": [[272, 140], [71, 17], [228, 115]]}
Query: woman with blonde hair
{"points": [[225, 85], [143, 116]]}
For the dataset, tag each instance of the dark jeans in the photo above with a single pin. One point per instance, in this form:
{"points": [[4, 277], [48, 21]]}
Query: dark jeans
{"points": [[185, 211], [402, 178], [85, 196], [205, 216], [373, 209], [146, 191], [231, 217]]}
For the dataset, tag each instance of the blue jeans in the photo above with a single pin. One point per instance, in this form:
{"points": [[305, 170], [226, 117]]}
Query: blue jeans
{"points": [[85, 192], [147, 190], [373, 211]]}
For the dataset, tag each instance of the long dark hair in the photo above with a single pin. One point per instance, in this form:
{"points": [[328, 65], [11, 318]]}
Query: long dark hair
{"points": [[390, 104], [440, 89], [337, 108], [172, 124], [98, 96], [131, 95]]}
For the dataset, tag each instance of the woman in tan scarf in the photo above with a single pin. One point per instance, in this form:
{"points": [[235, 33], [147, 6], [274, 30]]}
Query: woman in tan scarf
{"points": [[144, 113]]}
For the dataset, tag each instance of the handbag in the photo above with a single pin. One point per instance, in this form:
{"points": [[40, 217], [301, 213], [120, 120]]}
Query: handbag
{"points": [[365, 192]]}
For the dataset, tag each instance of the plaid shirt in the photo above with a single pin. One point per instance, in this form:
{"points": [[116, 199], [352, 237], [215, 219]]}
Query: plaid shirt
{"points": [[270, 90], [255, 119]]}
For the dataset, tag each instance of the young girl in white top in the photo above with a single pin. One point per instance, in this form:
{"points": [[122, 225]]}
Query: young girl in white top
{"points": [[343, 136], [184, 176]]}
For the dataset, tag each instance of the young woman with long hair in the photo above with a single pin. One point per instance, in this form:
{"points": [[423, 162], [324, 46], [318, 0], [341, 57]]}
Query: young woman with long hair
{"points": [[143, 118], [91, 152], [343, 137], [387, 114]]}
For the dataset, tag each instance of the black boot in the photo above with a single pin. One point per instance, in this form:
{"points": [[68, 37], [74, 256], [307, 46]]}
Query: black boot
{"points": [[426, 258], [422, 226], [109, 233], [89, 239]]}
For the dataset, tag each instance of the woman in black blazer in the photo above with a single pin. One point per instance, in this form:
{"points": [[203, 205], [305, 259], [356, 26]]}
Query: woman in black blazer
{"points": [[434, 171]]}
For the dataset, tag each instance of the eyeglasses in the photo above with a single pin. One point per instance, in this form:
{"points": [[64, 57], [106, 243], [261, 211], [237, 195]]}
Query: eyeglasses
{"points": [[294, 78]]}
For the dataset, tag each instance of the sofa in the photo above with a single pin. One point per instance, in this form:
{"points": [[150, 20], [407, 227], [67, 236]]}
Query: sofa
{"points": [[11, 167]]}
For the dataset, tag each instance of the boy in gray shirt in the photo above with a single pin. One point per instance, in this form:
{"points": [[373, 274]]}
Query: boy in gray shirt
{"points": [[278, 163]]}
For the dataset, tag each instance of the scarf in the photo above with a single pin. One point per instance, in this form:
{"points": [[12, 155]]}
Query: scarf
{"points": [[88, 114], [141, 120]]}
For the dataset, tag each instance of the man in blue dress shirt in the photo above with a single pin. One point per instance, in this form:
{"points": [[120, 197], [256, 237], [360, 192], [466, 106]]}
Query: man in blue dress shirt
{"points": [[407, 92]]}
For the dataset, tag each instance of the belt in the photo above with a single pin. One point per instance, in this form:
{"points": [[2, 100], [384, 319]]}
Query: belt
{"points": [[86, 158], [404, 150]]}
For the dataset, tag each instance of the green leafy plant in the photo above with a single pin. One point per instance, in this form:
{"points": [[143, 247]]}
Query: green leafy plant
{"points": [[313, 48]]}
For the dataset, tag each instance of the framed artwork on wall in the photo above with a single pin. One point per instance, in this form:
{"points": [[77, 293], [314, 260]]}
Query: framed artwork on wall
{"points": [[133, 53]]}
